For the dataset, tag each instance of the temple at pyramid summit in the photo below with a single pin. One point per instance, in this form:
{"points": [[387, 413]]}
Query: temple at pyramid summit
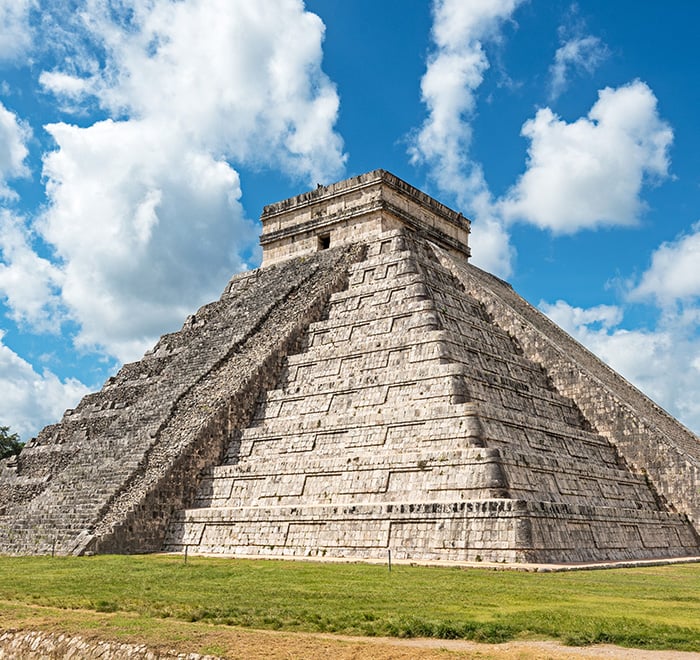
{"points": [[366, 390]]}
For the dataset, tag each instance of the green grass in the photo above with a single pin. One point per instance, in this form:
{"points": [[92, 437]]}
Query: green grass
{"points": [[653, 607]]}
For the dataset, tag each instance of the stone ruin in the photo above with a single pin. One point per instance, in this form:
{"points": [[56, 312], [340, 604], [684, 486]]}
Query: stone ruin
{"points": [[366, 390]]}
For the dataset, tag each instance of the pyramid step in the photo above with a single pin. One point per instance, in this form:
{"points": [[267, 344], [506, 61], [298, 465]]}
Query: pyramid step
{"points": [[355, 530], [416, 316], [382, 267], [365, 474], [508, 385], [444, 464], [489, 530], [394, 430], [498, 424], [392, 414]]}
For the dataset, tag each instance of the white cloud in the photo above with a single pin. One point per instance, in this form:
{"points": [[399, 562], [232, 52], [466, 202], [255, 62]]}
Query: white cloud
{"points": [[674, 273], [242, 79], [146, 229], [590, 172], [489, 239], [13, 150], [455, 71], [579, 175], [579, 53], [663, 362], [30, 400], [143, 213], [15, 31], [63, 84], [28, 282], [601, 316]]}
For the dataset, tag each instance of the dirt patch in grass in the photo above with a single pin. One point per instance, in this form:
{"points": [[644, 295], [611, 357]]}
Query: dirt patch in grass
{"points": [[166, 636]]}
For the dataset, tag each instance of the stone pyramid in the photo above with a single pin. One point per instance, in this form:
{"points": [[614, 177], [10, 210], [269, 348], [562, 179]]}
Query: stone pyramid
{"points": [[367, 390]]}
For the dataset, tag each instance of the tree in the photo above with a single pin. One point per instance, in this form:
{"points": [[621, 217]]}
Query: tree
{"points": [[9, 443]]}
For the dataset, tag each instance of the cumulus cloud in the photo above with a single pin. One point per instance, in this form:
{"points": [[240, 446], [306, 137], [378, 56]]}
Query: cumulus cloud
{"points": [[13, 150], [29, 283], [144, 227], [15, 31], [583, 54], [600, 316], [455, 70], [663, 362], [674, 274], [143, 215], [580, 175], [243, 79], [30, 400], [591, 172], [489, 238]]}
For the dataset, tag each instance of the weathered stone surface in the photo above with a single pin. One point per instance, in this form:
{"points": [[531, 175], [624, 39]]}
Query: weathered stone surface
{"points": [[413, 423], [368, 391], [36, 645], [108, 477], [646, 435], [355, 210]]}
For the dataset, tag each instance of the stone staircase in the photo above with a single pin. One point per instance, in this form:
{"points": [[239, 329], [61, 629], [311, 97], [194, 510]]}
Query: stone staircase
{"points": [[108, 477]]}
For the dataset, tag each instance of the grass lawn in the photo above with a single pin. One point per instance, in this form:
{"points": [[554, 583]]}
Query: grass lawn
{"points": [[651, 607]]}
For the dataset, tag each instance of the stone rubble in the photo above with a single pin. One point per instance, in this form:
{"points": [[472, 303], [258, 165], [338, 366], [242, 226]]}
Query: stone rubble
{"points": [[35, 645]]}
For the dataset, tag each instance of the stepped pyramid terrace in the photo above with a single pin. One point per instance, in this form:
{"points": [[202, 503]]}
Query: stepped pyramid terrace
{"points": [[366, 391]]}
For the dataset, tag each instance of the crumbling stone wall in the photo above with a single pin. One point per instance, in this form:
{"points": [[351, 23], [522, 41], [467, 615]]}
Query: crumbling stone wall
{"points": [[37, 645], [109, 475]]}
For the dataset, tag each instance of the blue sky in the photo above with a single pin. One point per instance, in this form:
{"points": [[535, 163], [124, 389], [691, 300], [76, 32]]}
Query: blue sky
{"points": [[139, 140]]}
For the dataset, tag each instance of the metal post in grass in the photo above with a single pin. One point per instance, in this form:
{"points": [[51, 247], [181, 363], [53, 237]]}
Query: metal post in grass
{"points": [[389, 554], [186, 546], [53, 547]]}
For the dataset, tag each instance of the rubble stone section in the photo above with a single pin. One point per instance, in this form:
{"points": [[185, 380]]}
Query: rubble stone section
{"points": [[412, 423], [39, 645], [107, 478]]}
